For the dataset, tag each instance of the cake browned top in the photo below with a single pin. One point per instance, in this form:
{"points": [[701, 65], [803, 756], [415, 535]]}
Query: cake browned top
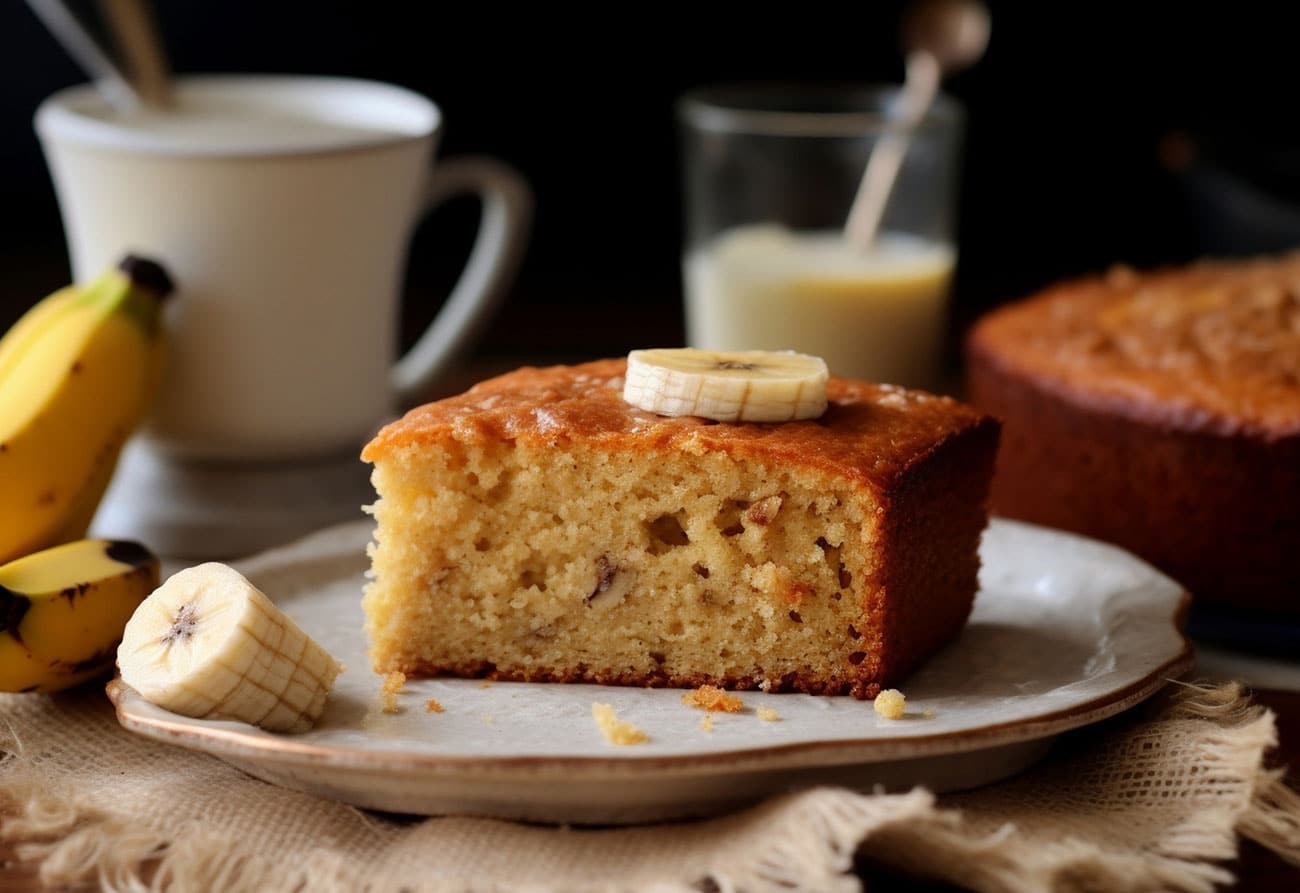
{"points": [[869, 433], [1214, 346]]}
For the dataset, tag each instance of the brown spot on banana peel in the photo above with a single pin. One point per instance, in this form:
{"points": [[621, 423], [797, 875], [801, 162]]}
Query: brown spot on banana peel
{"points": [[72, 593]]}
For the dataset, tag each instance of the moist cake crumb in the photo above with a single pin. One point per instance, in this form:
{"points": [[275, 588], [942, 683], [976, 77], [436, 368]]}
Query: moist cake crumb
{"points": [[538, 528], [890, 704], [712, 699], [615, 730], [388, 691], [432, 706], [767, 714], [706, 723]]}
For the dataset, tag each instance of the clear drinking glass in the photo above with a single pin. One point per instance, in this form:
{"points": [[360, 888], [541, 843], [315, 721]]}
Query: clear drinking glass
{"points": [[770, 175]]}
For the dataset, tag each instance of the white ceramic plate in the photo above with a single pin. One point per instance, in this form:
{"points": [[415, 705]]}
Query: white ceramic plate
{"points": [[1066, 631]]}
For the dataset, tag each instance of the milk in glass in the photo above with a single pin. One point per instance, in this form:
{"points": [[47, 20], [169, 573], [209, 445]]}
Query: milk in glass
{"points": [[877, 314]]}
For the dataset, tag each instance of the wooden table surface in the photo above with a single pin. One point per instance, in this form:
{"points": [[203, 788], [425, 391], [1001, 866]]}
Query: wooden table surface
{"points": [[1256, 868]]}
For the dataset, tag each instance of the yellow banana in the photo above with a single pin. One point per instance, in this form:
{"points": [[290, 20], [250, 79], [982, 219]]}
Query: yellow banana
{"points": [[28, 329], [62, 611], [77, 374]]}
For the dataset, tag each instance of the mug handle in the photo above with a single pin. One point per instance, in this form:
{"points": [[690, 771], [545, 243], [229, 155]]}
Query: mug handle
{"points": [[493, 262]]}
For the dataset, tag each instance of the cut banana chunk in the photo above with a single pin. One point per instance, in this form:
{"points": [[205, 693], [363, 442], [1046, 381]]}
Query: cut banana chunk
{"points": [[727, 386], [210, 644]]}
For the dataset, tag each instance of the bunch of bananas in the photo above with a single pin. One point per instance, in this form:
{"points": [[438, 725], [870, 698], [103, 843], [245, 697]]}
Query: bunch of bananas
{"points": [[77, 375]]}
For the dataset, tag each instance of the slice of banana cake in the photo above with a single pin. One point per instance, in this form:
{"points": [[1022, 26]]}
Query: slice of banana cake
{"points": [[541, 527]]}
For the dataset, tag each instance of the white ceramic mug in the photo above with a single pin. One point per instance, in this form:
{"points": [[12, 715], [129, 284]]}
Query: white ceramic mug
{"points": [[283, 207]]}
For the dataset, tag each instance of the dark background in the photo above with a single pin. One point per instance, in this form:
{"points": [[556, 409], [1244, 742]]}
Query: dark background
{"points": [[1144, 133]]}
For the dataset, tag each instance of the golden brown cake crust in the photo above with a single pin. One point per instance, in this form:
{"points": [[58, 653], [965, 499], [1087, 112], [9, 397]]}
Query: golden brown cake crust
{"points": [[870, 434], [1160, 412], [1211, 347]]}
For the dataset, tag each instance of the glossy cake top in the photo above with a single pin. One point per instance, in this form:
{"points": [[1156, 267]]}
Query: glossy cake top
{"points": [[869, 432], [1214, 346]]}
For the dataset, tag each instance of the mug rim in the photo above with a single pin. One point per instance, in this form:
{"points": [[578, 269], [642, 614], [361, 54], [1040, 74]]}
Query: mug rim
{"points": [[65, 117]]}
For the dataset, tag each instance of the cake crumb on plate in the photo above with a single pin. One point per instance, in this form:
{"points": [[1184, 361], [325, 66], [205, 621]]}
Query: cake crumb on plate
{"points": [[767, 714], [890, 704], [706, 722], [432, 706], [615, 730], [393, 683], [712, 699]]}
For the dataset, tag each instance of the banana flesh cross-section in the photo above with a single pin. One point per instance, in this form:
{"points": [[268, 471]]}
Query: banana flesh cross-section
{"points": [[727, 386], [210, 644]]}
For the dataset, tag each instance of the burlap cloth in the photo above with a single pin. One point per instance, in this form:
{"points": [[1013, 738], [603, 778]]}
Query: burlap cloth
{"points": [[1155, 799]]}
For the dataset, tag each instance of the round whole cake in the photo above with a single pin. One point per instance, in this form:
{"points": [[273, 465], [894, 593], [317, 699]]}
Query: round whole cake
{"points": [[1159, 411]]}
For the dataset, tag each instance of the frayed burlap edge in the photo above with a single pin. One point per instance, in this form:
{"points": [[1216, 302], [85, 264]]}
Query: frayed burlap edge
{"points": [[1236, 739], [809, 839], [1272, 817]]}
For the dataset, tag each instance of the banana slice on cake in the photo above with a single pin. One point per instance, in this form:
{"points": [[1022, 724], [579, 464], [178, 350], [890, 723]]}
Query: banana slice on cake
{"points": [[727, 386], [210, 644]]}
